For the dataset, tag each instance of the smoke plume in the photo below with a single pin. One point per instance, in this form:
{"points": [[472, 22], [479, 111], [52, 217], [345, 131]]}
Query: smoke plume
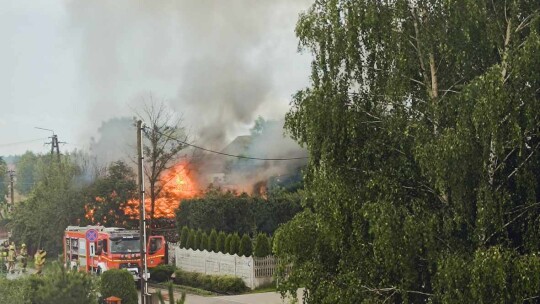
{"points": [[220, 63]]}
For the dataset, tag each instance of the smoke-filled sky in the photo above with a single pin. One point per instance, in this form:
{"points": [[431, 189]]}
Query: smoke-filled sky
{"points": [[71, 65]]}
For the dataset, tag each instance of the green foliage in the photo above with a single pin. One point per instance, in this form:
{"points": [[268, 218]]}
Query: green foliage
{"points": [[220, 284], [492, 275], [190, 244], [421, 121], [221, 242], [245, 246], [4, 180], [231, 213], [26, 177], [56, 286], [161, 273], [198, 240], [227, 245], [57, 196], [234, 245], [118, 283], [262, 246], [212, 241], [13, 291], [184, 234], [63, 286], [108, 197], [204, 242]]}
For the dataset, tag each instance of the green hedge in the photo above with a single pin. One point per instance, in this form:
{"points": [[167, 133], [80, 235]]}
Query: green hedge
{"points": [[262, 246], [220, 243], [219, 284], [212, 241], [161, 273], [245, 246], [118, 283]]}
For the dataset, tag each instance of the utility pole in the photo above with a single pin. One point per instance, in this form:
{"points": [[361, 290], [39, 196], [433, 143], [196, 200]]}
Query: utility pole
{"points": [[142, 213], [55, 146], [11, 176]]}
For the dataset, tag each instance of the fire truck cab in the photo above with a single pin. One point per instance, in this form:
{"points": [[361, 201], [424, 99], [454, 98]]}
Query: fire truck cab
{"points": [[114, 248]]}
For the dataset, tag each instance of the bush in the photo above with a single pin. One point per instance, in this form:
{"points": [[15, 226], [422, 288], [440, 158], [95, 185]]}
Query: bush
{"points": [[245, 246], [57, 285], [235, 243], [184, 235], [198, 239], [204, 242], [190, 243], [220, 284], [119, 283], [262, 246], [227, 246], [212, 241], [220, 243], [161, 273], [23, 290]]}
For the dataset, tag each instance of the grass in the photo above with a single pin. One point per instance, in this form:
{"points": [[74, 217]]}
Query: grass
{"points": [[186, 289], [264, 288]]}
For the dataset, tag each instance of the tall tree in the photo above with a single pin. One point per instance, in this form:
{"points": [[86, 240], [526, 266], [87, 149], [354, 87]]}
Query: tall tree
{"points": [[161, 144], [26, 167], [422, 123], [55, 203], [4, 181], [107, 198]]}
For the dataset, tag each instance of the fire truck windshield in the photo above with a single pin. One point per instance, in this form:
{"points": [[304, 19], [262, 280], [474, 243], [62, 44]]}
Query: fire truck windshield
{"points": [[125, 245]]}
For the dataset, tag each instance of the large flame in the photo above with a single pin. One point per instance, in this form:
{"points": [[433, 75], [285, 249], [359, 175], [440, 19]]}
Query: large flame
{"points": [[177, 184]]}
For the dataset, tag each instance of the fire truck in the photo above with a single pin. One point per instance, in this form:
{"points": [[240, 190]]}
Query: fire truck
{"points": [[112, 248]]}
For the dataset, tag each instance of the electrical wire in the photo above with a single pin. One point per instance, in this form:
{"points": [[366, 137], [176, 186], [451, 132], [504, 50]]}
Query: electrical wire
{"points": [[226, 154], [22, 142]]}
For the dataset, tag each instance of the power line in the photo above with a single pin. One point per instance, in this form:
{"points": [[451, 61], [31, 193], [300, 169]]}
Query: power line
{"points": [[225, 154], [21, 142]]}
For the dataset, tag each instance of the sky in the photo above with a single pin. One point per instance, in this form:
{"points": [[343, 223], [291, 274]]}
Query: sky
{"points": [[69, 66]]}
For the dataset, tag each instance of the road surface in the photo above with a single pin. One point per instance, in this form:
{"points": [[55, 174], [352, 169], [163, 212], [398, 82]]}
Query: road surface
{"points": [[254, 298]]}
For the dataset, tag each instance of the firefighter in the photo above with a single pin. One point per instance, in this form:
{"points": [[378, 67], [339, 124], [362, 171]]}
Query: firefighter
{"points": [[24, 258], [12, 255], [4, 247], [3, 258], [39, 260]]}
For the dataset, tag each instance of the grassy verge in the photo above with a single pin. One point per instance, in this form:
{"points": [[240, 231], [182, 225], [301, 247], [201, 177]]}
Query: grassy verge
{"points": [[264, 288], [186, 289]]}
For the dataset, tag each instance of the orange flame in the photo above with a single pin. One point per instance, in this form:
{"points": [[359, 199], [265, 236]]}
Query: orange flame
{"points": [[177, 185]]}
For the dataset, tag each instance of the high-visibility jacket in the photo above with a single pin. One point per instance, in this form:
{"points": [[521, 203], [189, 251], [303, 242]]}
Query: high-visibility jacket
{"points": [[24, 252], [40, 258], [11, 256]]}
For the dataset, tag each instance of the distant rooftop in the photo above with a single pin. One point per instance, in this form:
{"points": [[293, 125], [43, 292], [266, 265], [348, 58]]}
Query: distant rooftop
{"points": [[239, 145]]}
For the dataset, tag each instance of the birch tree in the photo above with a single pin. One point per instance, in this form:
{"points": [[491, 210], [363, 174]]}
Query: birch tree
{"points": [[422, 122]]}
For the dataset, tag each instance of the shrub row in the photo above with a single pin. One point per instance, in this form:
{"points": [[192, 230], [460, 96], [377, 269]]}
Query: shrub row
{"points": [[219, 284], [225, 243], [161, 273], [231, 213]]}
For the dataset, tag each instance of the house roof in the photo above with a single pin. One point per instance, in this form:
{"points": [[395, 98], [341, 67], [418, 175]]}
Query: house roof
{"points": [[239, 145]]}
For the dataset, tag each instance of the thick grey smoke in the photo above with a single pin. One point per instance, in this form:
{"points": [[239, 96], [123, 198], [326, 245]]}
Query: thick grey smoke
{"points": [[269, 143], [220, 63], [116, 140]]}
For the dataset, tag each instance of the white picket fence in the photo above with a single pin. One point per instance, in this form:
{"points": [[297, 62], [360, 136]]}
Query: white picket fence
{"points": [[253, 271]]}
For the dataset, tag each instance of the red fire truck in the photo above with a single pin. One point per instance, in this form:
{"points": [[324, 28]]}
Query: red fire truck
{"points": [[113, 248]]}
